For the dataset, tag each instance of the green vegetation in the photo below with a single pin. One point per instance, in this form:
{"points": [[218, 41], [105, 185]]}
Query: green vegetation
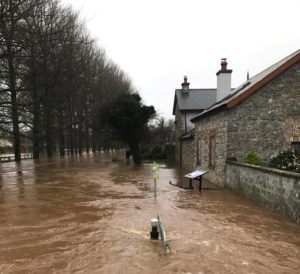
{"points": [[288, 160], [159, 138], [128, 118], [154, 153], [254, 159]]}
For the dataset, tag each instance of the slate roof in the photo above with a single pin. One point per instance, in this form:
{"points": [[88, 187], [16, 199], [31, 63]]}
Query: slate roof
{"points": [[252, 85], [194, 99]]}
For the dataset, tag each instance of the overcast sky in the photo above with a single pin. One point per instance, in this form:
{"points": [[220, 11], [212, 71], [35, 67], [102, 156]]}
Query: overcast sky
{"points": [[157, 42]]}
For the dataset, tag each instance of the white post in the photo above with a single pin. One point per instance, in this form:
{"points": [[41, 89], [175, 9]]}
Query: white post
{"points": [[154, 229], [155, 175]]}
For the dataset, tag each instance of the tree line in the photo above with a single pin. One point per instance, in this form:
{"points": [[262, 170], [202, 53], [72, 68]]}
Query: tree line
{"points": [[54, 79]]}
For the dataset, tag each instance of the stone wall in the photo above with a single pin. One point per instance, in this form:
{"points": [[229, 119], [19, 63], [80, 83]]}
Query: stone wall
{"points": [[188, 154], [216, 125], [182, 119], [278, 190], [267, 121], [178, 133]]}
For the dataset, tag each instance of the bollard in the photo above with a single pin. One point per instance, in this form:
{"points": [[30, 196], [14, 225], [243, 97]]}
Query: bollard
{"points": [[154, 229]]}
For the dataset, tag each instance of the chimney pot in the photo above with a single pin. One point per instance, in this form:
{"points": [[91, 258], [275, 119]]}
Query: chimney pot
{"points": [[185, 85], [223, 64]]}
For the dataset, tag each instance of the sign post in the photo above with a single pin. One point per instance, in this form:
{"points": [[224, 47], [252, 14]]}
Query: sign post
{"points": [[197, 174], [155, 176]]}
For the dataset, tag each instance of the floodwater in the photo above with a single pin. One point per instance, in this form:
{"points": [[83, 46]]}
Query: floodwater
{"points": [[92, 215]]}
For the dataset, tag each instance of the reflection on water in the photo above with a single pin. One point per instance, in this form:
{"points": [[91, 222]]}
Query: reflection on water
{"points": [[92, 215]]}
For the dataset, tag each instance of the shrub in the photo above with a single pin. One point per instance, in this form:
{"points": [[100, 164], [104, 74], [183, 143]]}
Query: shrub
{"points": [[253, 158], [155, 153], [158, 153], [287, 160], [146, 152]]}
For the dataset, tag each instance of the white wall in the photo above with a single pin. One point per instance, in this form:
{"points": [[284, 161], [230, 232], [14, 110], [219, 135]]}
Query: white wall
{"points": [[223, 85]]}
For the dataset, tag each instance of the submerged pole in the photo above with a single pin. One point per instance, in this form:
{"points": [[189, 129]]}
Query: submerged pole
{"points": [[155, 176], [154, 229]]}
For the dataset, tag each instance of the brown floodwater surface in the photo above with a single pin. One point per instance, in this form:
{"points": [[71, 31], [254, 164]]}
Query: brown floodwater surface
{"points": [[92, 215]]}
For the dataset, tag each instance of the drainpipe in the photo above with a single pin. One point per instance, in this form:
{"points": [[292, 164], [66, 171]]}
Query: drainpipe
{"points": [[180, 154], [185, 127]]}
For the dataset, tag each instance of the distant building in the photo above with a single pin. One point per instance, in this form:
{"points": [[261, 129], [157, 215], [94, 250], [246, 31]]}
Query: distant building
{"points": [[5, 146], [188, 103], [261, 115]]}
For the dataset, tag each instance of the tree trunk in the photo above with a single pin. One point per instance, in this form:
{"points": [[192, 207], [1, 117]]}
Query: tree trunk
{"points": [[61, 135], [71, 136], [12, 85], [86, 133], [80, 137], [36, 129], [136, 153], [49, 140], [13, 96], [94, 145]]}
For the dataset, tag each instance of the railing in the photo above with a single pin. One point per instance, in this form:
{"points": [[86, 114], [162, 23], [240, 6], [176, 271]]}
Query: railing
{"points": [[10, 157], [163, 235]]}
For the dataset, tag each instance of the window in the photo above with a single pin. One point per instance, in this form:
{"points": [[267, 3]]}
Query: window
{"points": [[199, 152], [212, 151]]}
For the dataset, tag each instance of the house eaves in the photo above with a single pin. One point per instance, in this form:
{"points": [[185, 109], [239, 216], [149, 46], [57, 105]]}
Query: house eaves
{"points": [[189, 135], [251, 86]]}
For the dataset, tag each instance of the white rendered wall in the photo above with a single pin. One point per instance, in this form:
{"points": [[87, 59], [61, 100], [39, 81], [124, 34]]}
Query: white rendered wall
{"points": [[223, 85], [185, 119]]}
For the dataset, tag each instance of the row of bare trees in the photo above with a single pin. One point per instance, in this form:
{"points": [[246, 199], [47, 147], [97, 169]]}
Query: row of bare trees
{"points": [[53, 78]]}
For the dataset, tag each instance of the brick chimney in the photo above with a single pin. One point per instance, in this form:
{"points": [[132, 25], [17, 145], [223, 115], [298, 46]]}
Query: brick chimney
{"points": [[185, 85], [223, 80]]}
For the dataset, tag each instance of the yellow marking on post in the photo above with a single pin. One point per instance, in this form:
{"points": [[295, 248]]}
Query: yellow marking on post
{"points": [[155, 171]]}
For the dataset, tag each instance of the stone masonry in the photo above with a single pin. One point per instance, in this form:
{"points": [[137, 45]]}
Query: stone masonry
{"points": [[276, 189], [178, 133], [265, 122], [188, 154], [212, 125]]}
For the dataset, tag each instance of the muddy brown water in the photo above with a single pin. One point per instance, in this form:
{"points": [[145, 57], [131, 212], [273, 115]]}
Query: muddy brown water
{"points": [[92, 215]]}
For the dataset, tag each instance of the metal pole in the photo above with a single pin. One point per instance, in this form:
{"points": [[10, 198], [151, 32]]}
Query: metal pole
{"points": [[200, 183], [163, 235]]}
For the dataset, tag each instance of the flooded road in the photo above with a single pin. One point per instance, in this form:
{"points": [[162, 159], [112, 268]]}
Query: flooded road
{"points": [[92, 215]]}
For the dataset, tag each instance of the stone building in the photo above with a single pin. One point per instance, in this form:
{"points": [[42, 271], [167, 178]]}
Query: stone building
{"points": [[188, 103], [261, 115]]}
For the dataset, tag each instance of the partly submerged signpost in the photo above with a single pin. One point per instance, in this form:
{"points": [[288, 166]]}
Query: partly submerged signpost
{"points": [[155, 176]]}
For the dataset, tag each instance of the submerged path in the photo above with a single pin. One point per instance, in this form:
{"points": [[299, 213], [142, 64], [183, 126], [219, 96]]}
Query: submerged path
{"points": [[92, 215]]}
